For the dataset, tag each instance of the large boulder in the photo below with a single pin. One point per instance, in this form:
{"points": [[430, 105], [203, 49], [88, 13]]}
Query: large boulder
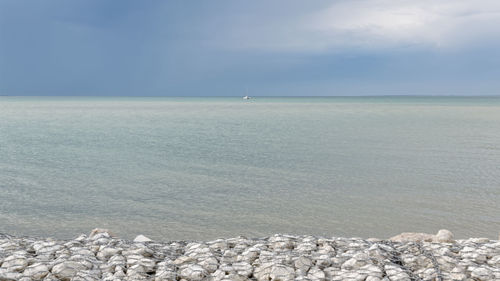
{"points": [[443, 236]]}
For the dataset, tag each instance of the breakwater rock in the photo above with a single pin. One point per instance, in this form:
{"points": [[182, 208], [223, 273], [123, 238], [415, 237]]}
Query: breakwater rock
{"points": [[100, 256]]}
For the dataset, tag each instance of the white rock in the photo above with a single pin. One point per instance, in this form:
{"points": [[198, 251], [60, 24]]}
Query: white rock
{"points": [[136, 272], [166, 275], [147, 264], [494, 261], [66, 270], [133, 259], [42, 244], [481, 274], [458, 276], [107, 253], [183, 259], [51, 277], [229, 256], [306, 247], [412, 237], [243, 268], [88, 262], [142, 239], [235, 277], [193, 272], [356, 262], [332, 273], [210, 264], [94, 234], [479, 240], [323, 261], [396, 273], [117, 261], [36, 271], [6, 275], [106, 258], [303, 263], [263, 271], [227, 268], [141, 250], [249, 255], [15, 263], [119, 273], [316, 274], [218, 275], [354, 275], [282, 273], [80, 251], [371, 270], [444, 236], [281, 243]]}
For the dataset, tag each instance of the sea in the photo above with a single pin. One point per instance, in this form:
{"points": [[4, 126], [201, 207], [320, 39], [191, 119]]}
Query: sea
{"points": [[203, 168]]}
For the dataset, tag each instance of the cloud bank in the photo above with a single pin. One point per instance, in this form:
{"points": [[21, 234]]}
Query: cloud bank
{"points": [[372, 24], [279, 47]]}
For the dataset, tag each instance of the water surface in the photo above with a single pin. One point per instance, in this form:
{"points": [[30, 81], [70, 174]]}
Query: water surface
{"points": [[201, 168]]}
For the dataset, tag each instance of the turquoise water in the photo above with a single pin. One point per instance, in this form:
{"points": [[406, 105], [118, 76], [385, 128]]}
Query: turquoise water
{"points": [[201, 168]]}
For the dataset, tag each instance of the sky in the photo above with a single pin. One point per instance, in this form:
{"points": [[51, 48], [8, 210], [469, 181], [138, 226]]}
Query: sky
{"points": [[268, 48]]}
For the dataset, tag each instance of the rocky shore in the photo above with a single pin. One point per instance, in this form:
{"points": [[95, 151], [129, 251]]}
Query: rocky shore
{"points": [[100, 256]]}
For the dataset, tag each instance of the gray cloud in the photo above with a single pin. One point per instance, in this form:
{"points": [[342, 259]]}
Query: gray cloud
{"points": [[366, 24]]}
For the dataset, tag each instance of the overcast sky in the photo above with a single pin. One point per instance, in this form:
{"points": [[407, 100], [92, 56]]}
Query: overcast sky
{"points": [[223, 47]]}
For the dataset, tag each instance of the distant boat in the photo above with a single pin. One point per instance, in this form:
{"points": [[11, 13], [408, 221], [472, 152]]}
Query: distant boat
{"points": [[246, 97]]}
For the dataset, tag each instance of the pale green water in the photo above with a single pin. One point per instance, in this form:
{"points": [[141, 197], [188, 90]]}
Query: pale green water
{"points": [[201, 168]]}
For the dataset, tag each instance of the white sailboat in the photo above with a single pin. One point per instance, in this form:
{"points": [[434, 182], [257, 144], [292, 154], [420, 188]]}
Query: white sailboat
{"points": [[246, 97]]}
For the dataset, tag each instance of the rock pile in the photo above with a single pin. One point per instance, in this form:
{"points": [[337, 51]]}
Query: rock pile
{"points": [[100, 256]]}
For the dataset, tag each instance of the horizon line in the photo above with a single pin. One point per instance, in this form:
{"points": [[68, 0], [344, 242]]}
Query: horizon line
{"points": [[257, 96]]}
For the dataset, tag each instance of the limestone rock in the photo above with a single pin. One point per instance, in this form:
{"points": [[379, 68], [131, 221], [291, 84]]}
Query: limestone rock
{"points": [[193, 272], [303, 263], [412, 237], [280, 257], [443, 236], [316, 274], [263, 271], [66, 270], [243, 268], [142, 239], [107, 253], [249, 255], [481, 274], [210, 264], [183, 259], [281, 273], [97, 231], [36, 271], [15, 263], [6, 275]]}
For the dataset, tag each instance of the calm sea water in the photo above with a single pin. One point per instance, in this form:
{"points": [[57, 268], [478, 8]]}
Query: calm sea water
{"points": [[201, 168]]}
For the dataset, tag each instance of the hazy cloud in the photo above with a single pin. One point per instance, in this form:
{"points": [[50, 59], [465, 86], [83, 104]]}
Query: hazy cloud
{"points": [[370, 24], [445, 23]]}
